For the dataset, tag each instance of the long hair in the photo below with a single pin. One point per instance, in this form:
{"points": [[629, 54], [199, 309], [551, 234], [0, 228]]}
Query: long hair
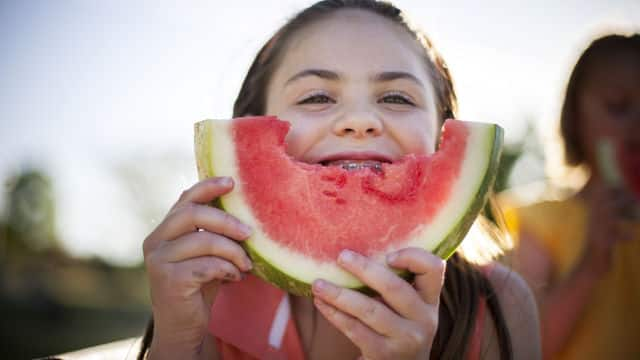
{"points": [[596, 54], [464, 285]]}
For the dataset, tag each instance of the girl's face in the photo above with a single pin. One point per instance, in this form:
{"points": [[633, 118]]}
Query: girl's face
{"points": [[354, 87], [609, 104]]}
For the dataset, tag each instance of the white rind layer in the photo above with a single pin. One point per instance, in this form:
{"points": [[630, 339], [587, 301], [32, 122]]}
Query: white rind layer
{"points": [[223, 160]]}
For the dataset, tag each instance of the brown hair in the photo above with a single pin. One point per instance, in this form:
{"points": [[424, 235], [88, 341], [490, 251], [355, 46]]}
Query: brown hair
{"points": [[464, 285], [252, 97], [601, 49]]}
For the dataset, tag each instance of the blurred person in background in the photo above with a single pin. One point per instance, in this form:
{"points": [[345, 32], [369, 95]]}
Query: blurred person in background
{"points": [[579, 254]]}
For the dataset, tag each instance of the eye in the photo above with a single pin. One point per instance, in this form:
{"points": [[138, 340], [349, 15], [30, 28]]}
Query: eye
{"points": [[316, 99], [618, 108], [396, 98]]}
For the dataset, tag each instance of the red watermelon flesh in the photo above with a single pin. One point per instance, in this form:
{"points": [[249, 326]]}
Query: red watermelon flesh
{"points": [[308, 208], [619, 164], [303, 215]]}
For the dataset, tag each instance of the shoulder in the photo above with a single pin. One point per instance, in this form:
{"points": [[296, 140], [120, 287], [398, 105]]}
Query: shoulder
{"points": [[557, 212], [550, 239], [519, 311]]}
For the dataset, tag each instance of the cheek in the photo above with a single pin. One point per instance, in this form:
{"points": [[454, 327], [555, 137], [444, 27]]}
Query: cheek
{"points": [[417, 134], [302, 136], [596, 122]]}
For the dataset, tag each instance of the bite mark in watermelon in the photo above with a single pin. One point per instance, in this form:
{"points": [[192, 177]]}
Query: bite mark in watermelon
{"points": [[304, 214]]}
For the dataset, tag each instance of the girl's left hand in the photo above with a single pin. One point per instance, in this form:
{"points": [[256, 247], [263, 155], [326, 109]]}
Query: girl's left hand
{"points": [[404, 326]]}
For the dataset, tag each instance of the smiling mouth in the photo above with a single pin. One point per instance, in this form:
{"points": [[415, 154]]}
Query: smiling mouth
{"points": [[353, 165]]}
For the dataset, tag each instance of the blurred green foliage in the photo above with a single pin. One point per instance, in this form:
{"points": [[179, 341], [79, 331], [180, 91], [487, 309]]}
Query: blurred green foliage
{"points": [[30, 214], [50, 302]]}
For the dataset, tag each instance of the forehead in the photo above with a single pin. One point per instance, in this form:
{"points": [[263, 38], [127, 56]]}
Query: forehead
{"points": [[355, 42], [619, 70]]}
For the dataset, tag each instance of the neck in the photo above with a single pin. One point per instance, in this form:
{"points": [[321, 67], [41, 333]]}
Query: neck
{"points": [[594, 184], [306, 317]]}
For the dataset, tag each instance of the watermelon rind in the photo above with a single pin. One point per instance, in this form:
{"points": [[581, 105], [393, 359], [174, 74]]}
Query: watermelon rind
{"points": [[450, 243], [608, 163], [294, 273]]}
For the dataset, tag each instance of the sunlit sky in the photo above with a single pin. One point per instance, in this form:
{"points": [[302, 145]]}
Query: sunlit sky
{"points": [[86, 85]]}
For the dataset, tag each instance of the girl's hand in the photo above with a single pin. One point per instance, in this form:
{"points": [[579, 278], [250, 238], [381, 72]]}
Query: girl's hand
{"points": [[186, 257], [609, 222], [404, 326]]}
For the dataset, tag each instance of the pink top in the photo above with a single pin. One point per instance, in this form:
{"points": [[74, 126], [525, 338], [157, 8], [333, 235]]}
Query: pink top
{"points": [[252, 320]]}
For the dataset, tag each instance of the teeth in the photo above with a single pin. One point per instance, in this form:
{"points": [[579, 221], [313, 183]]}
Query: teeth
{"points": [[351, 165], [361, 165]]}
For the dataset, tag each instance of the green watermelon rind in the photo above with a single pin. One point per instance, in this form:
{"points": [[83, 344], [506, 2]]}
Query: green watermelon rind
{"points": [[450, 243], [608, 163], [271, 273]]}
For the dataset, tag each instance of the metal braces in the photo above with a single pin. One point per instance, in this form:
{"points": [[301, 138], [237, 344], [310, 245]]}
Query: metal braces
{"points": [[357, 166]]}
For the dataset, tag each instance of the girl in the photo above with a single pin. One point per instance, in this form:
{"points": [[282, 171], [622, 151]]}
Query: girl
{"points": [[580, 254], [352, 77]]}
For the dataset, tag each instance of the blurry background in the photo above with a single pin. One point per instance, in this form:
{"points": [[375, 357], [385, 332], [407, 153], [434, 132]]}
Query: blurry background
{"points": [[97, 103]]}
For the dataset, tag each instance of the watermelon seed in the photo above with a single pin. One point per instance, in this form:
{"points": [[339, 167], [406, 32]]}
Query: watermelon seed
{"points": [[328, 178], [330, 193]]}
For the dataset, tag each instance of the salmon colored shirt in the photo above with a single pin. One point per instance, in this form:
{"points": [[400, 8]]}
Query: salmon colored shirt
{"points": [[252, 320], [610, 327]]}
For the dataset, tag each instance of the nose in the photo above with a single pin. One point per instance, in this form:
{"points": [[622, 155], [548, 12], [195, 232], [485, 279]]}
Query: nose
{"points": [[359, 124]]}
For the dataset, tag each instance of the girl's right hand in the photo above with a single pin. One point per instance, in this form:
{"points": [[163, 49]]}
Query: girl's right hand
{"points": [[186, 257], [608, 225]]}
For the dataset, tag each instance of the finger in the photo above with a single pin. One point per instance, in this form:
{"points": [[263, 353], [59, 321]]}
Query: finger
{"points": [[191, 217], [201, 193], [206, 190], [193, 273], [204, 243], [429, 270], [396, 292], [190, 276], [371, 312], [367, 340]]}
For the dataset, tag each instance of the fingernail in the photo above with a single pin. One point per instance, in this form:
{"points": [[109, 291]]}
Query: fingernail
{"points": [[392, 257], [225, 181], [319, 286], [346, 256], [245, 230], [248, 265], [443, 264]]}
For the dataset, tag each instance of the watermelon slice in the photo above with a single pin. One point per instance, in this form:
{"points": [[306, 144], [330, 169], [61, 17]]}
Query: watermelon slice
{"points": [[304, 214], [619, 166], [608, 163], [631, 171]]}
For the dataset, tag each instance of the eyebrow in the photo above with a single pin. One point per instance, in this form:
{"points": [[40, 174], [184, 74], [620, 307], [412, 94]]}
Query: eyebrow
{"points": [[323, 74], [396, 75], [333, 76]]}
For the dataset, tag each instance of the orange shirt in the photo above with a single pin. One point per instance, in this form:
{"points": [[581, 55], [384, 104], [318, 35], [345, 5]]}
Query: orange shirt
{"points": [[610, 327]]}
